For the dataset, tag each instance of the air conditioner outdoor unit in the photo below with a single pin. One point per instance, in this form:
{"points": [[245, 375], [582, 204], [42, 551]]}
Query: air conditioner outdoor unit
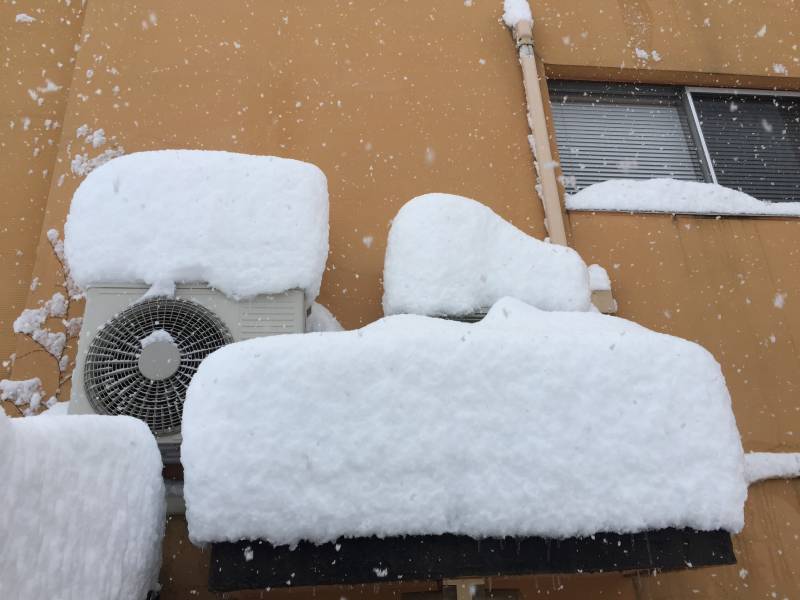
{"points": [[137, 356]]}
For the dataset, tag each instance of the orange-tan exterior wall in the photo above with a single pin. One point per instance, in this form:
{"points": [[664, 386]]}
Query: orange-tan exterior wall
{"points": [[393, 99]]}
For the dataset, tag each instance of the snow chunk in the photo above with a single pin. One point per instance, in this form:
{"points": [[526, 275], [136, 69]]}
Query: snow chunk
{"points": [[160, 289], [527, 423], [598, 279], [451, 255], [86, 508], [22, 391], [245, 224], [321, 319], [32, 319], [769, 465], [53, 342], [159, 335], [72, 327], [515, 11], [673, 196]]}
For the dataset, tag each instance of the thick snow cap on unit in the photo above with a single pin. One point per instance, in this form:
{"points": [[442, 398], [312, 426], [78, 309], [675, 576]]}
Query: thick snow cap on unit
{"points": [[527, 423], [515, 11], [674, 196], [449, 255], [83, 506], [245, 224]]}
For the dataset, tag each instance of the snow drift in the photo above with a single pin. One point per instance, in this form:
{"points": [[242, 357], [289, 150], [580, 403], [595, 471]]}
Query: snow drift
{"points": [[245, 224], [527, 423], [449, 255], [674, 196], [83, 506]]}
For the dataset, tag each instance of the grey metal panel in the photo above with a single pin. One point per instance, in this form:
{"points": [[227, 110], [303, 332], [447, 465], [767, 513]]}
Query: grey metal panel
{"points": [[622, 132], [753, 142]]}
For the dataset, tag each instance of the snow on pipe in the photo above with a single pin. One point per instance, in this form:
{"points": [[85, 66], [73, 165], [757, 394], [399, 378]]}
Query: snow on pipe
{"points": [[759, 466], [517, 16]]}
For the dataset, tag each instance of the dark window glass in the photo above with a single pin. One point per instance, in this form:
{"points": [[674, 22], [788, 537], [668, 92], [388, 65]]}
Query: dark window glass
{"points": [[753, 142]]}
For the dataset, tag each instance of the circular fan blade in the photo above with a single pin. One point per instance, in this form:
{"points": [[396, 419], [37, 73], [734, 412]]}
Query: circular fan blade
{"points": [[114, 383]]}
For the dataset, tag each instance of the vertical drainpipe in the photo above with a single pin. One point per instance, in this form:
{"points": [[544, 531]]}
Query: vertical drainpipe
{"points": [[540, 139]]}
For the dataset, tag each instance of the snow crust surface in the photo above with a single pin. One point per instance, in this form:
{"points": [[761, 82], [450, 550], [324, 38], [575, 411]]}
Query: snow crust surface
{"points": [[771, 465], [515, 11], [674, 196], [58, 409], [245, 224], [450, 255], [527, 423], [84, 504]]}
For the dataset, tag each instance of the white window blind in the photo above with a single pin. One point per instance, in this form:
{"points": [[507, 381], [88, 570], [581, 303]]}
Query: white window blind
{"points": [[607, 131]]}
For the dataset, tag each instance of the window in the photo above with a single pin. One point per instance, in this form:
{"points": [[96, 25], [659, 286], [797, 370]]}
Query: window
{"points": [[622, 132], [741, 139]]}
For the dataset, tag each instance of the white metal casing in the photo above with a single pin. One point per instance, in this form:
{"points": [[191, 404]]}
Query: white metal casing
{"points": [[260, 316]]}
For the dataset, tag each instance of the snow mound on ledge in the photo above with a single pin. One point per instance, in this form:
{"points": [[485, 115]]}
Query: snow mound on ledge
{"points": [[674, 196], [449, 255], [245, 224], [83, 506], [527, 423]]}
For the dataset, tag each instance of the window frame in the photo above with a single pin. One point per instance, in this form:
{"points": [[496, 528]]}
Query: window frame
{"points": [[697, 127], [685, 95]]}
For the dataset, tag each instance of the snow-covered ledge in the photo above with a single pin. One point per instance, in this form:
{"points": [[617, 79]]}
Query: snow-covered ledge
{"points": [[672, 196], [535, 423]]}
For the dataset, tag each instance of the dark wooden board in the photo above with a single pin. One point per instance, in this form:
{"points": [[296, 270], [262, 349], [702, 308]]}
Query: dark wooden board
{"points": [[424, 558]]}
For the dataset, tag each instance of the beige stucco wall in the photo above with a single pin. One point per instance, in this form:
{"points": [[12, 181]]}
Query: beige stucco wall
{"points": [[393, 99], [734, 42]]}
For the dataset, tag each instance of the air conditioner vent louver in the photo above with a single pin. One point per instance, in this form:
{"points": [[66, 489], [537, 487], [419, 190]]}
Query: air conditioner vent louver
{"points": [[113, 377]]}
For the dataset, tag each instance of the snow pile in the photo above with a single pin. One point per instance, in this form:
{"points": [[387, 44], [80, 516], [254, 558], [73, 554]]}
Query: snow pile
{"points": [[527, 423], [768, 465], [449, 255], [22, 392], [245, 224], [673, 196], [159, 335], [515, 11], [321, 319], [598, 279], [31, 320], [83, 506]]}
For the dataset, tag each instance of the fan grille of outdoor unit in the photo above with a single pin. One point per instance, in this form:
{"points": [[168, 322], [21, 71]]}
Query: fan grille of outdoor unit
{"points": [[115, 385]]}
